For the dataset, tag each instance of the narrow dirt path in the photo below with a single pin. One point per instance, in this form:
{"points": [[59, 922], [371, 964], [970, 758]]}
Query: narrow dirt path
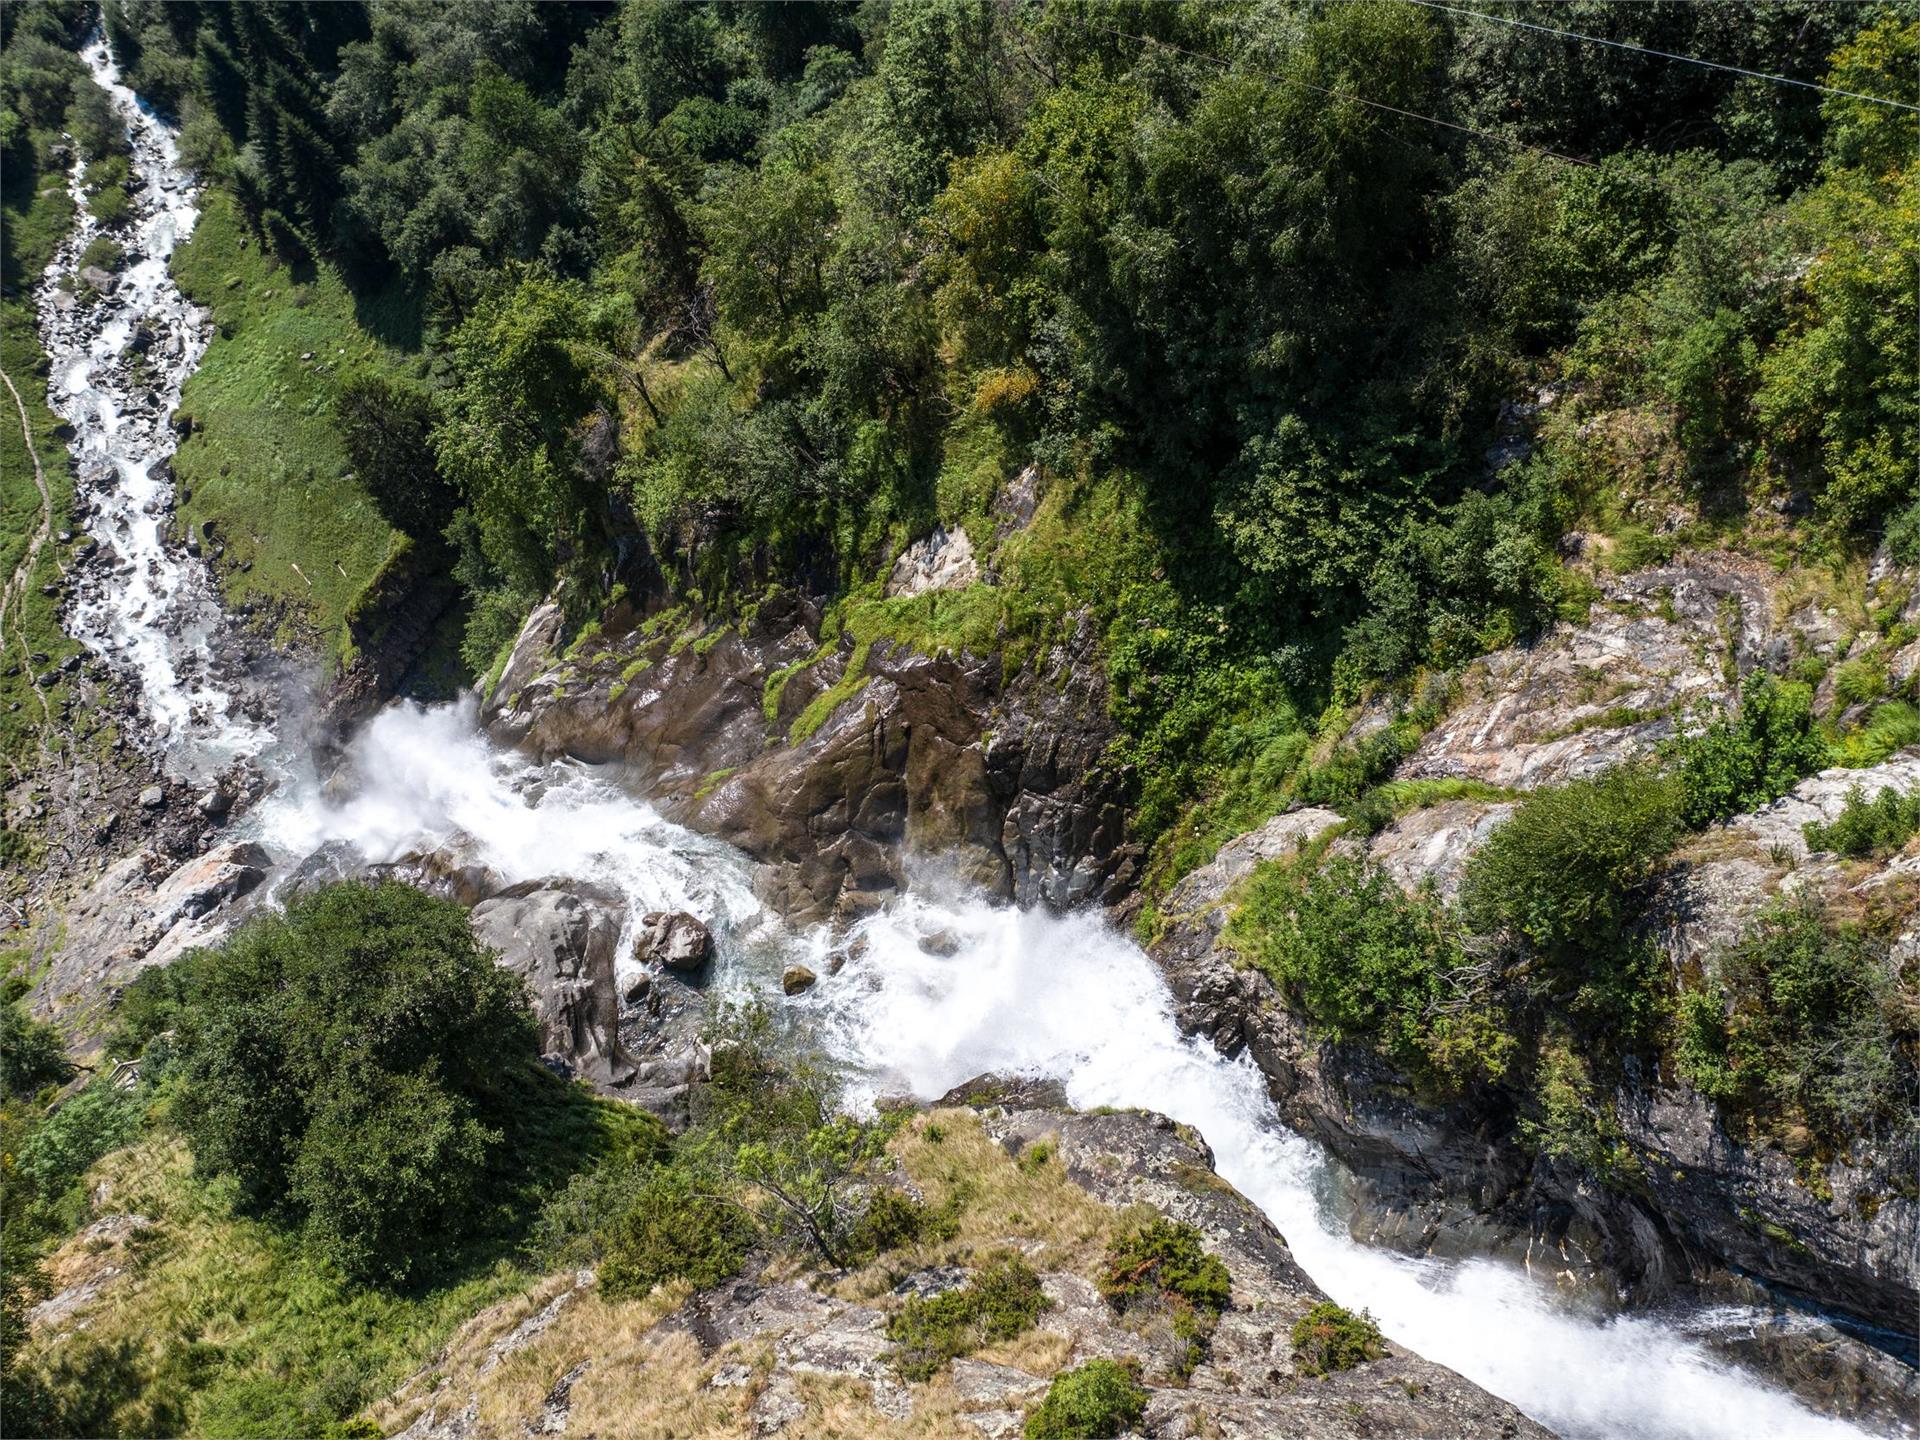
{"points": [[23, 572]]}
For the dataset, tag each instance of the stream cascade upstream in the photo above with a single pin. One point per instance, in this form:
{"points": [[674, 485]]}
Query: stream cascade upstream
{"points": [[1013, 991]]}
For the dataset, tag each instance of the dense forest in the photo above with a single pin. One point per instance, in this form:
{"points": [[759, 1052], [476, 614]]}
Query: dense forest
{"points": [[761, 291], [1344, 342]]}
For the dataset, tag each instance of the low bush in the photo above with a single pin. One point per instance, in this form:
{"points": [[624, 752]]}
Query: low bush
{"points": [[1751, 757], [1564, 874], [1366, 961], [894, 1221], [57, 1152], [1329, 1338], [102, 251], [1002, 1300], [670, 1228], [1805, 1026], [1164, 1257], [1161, 1267], [1094, 1401], [1864, 827], [31, 1056]]}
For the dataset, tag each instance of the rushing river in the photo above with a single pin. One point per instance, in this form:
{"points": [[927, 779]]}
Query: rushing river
{"points": [[1023, 991], [117, 361]]}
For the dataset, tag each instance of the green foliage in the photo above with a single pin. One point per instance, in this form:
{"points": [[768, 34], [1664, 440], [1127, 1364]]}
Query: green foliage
{"points": [[386, 427], [1328, 1338], [1837, 392], [772, 1130], [1750, 758], [348, 1062], [1366, 961], [31, 1053], [894, 1221], [1568, 1118], [1562, 875], [1000, 1301], [1164, 1257], [1890, 728], [1864, 827], [1803, 1024], [668, 1228], [74, 1135], [1094, 1401]]}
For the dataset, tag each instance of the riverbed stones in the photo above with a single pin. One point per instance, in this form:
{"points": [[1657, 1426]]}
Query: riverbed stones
{"points": [[674, 939], [797, 979], [562, 942]]}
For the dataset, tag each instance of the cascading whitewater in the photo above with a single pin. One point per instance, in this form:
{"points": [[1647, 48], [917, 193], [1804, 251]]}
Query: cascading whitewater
{"points": [[1014, 991], [1031, 993], [116, 365]]}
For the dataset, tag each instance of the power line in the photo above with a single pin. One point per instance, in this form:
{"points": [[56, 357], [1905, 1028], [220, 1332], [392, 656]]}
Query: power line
{"points": [[1666, 55], [1331, 93]]}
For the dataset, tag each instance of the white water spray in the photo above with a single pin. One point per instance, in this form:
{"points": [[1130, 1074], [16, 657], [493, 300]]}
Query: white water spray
{"points": [[1068, 998], [424, 781], [153, 614], [1022, 992]]}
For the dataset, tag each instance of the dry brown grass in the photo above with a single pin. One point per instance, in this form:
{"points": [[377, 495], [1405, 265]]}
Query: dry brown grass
{"points": [[636, 1383]]}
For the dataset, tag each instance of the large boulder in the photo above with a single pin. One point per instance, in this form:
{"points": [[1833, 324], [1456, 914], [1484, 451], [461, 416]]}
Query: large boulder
{"points": [[674, 939], [562, 940], [142, 913]]}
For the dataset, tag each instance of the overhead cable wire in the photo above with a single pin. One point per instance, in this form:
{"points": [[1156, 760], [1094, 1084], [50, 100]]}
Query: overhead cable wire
{"points": [[1665, 54], [1331, 93]]}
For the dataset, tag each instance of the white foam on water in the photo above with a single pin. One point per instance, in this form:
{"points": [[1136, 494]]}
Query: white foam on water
{"points": [[155, 616], [423, 780], [1069, 998]]}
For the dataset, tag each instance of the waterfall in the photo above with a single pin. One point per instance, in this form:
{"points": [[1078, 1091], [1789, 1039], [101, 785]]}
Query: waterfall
{"points": [[1014, 991], [116, 363]]}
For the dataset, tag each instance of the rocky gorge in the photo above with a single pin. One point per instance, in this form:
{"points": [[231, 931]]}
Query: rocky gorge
{"points": [[924, 853]]}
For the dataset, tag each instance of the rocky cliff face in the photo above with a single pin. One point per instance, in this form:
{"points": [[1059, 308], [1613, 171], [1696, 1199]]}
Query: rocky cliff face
{"points": [[925, 757], [1455, 1178]]}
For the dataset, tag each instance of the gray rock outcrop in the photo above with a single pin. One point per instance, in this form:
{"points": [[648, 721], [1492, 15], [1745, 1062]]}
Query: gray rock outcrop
{"points": [[1005, 778], [562, 941]]}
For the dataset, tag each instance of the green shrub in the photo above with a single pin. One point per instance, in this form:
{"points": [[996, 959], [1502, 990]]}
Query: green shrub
{"points": [[1161, 1266], [1164, 1257], [1742, 761], [1002, 1300], [1094, 1401], [671, 1228], [1866, 827], [1892, 727], [894, 1221], [58, 1150], [102, 251], [1569, 1119], [31, 1055], [1806, 1025], [1366, 961], [1329, 1338], [349, 1063], [1859, 681], [1564, 873]]}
